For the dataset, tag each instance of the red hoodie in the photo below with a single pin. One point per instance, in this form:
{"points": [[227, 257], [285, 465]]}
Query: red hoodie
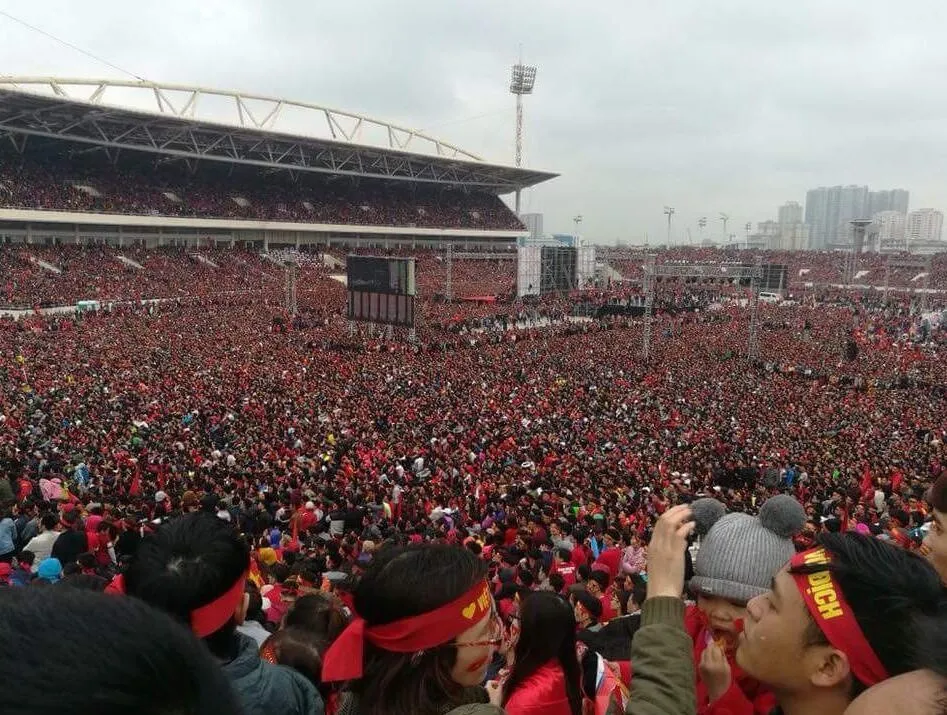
{"points": [[542, 693], [610, 558]]}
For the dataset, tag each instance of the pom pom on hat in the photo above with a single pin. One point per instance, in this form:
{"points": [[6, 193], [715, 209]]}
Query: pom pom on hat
{"points": [[707, 512], [783, 515]]}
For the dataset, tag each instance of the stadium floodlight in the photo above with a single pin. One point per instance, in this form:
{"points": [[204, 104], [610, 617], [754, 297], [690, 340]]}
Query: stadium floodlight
{"points": [[724, 217], [522, 81], [669, 212]]}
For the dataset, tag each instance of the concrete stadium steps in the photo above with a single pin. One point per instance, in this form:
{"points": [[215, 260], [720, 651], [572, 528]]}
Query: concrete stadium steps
{"points": [[45, 266], [332, 262], [203, 259], [129, 262]]}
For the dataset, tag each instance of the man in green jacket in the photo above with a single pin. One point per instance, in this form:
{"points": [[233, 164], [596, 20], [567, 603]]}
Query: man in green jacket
{"points": [[661, 652]]}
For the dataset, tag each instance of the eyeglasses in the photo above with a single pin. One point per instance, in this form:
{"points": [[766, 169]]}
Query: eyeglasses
{"points": [[497, 632]]}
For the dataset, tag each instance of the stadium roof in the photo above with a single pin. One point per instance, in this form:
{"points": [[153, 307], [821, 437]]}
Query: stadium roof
{"points": [[196, 123]]}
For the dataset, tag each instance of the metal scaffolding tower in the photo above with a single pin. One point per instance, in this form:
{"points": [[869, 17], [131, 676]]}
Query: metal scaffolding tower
{"points": [[449, 287], [859, 227], [650, 262], [289, 288], [922, 265], [721, 273], [753, 339]]}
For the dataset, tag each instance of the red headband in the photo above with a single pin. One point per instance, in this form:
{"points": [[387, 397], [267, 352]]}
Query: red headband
{"points": [[343, 659], [211, 617], [834, 617]]}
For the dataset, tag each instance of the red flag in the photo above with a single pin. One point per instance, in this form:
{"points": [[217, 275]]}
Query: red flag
{"points": [[896, 481], [135, 489], [295, 541], [866, 486]]}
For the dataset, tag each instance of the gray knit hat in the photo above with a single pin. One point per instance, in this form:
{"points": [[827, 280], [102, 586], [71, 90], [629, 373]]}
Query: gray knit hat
{"points": [[739, 554]]}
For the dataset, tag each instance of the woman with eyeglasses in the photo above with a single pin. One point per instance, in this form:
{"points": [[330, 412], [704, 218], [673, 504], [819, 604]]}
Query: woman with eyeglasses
{"points": [[545, 676], [425, 632]]}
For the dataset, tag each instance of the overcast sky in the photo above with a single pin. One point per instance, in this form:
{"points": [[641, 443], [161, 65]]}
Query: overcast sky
{"points": [[706, 105]]}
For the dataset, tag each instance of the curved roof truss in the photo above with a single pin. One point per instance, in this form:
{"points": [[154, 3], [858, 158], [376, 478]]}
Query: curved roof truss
{"points": [[258, 133], [251, 111]]}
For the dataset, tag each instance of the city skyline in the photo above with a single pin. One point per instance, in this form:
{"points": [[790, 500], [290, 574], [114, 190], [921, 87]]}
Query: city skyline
{"points": [[707, 108]]}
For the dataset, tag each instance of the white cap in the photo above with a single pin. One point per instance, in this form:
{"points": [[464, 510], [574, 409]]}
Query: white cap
{"points": [[160, 497], [310, 506]]}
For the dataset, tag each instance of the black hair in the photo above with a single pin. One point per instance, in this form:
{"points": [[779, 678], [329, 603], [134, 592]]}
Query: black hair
{"points": [[86, 582], [639, 593], [186, 564], [622, 597], [564, 554], [118, 655], [296, 649], [600, 577], [320, 615], [254, 603], [895, 595], [401, 582], [937, 495], [547, 634], [557, 582], [590, 603], [49, 521]]}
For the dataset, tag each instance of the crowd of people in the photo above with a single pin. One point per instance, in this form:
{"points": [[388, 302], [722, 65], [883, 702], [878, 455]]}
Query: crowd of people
{"points": [[41, 179], [500, 517], [805, 269]]}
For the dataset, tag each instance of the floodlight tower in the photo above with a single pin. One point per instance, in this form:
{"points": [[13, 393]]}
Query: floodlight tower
{"points": [[724, 217], [669, 212], [522, 81]]}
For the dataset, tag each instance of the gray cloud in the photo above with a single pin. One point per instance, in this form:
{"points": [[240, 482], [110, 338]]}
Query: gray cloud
{"points": [[730, 105]]}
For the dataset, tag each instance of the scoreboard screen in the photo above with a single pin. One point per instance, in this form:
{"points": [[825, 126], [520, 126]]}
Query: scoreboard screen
{"points": [[381, 290], [372, 274]]}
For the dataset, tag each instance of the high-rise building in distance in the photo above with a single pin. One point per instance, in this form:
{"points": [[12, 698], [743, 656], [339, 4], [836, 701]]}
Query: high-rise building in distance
{"points": [[789, 213], [828, 212], [923, 225], [890, 200]]}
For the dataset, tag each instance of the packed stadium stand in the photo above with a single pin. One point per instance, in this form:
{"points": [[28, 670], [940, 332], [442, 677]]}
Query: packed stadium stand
{"points": [[57, 178]]}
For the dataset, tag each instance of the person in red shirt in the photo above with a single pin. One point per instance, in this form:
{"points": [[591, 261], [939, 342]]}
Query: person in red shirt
{"points": [[563, 566], [306, 517], [597, 585], [610, 557]]}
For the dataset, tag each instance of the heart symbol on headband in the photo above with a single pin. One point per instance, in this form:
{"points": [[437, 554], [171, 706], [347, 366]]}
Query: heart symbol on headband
{"points": [[469, 611]]}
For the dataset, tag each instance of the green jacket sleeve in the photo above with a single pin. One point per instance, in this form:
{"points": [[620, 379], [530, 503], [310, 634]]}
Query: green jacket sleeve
{"points": [[662, 681]]}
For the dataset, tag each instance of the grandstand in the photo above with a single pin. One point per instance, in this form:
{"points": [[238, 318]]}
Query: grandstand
{"points": [[88, 161]]}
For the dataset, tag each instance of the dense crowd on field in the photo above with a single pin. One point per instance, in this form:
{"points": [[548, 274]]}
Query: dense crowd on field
{"points": [[64, 274], [318, 506], [806, 269]]}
